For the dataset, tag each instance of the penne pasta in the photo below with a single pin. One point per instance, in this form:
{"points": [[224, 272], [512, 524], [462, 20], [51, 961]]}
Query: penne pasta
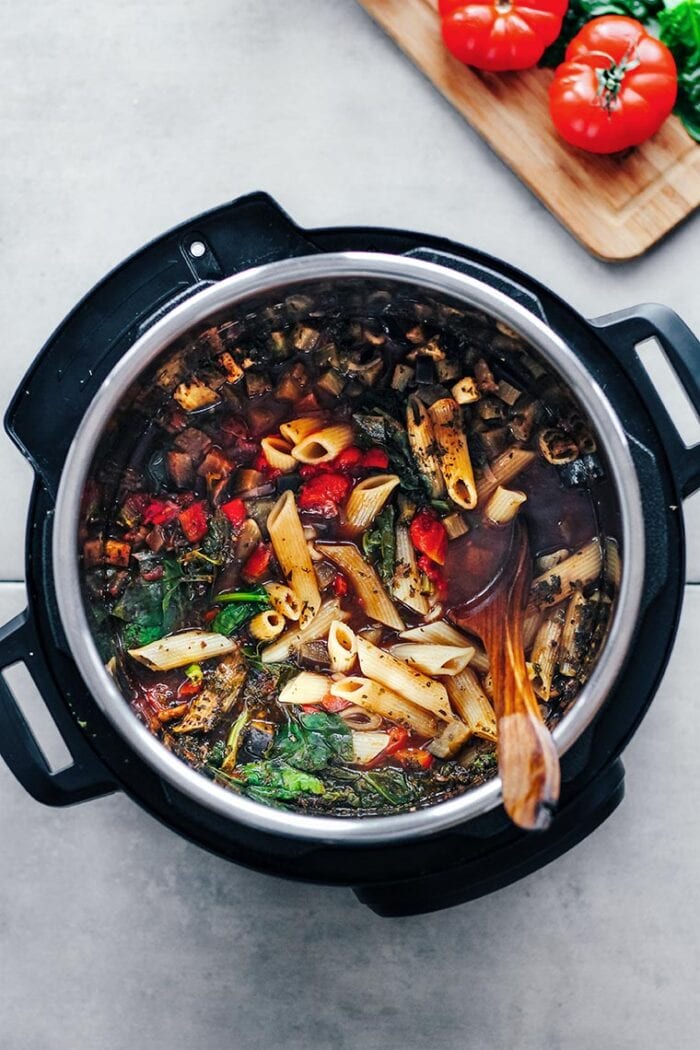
{"points": [[569, 654], [406, 582], [443, 633], [367, 499], [367, 745], [421, 438], [277, 452], [306, 688], [613, 562], [369, 588], [283, 600], [531, 622], [396, 675], [472, 704], [295, 430], [545, 651], [434, 659], [266, 625], [289, 544], [579, 569], [281, 648], [453, 451], [323, 445], [503, 469], [342, 647], [450, 739], [503, 504], [363, 692], [178, 650]]}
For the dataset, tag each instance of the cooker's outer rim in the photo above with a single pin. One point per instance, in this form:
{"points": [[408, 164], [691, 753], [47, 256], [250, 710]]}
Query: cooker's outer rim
{"points": [[330, 830]]}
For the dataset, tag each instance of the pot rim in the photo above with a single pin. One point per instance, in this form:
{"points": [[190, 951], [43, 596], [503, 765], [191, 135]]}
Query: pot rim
{"points": [[432, 277]]}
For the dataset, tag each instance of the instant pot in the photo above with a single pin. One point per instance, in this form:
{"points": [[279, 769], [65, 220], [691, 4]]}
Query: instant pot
{"points": [[407, 863]]}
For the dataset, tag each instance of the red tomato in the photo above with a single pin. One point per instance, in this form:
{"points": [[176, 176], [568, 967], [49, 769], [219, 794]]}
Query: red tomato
{"points": [[375, 459], [235, 511], [258, 563], [322, 494], [414, 758], [160, 512], [434, 575], [498, 35], [348, 459], [334, 704], [340, 585], [189, 689], [616, 87], [194, 521], [398, 737], [429, 536]]}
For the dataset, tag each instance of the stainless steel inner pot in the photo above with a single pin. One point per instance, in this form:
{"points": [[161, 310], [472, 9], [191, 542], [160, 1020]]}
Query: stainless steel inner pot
{"points": [[273, 278]]}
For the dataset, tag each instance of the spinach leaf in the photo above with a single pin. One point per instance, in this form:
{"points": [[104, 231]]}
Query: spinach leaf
{"points": [[240, 608], [679, 29], [313, 741], [379, 543], [380, 428], [140, 607], [391, 785], [271, 780], [216, 540]]}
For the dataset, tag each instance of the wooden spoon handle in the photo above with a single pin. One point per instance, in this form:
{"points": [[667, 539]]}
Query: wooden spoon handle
{"points": [[527, 758]]}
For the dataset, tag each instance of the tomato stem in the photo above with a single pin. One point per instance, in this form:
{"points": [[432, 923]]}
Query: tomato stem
{"points": [[610, 80]]}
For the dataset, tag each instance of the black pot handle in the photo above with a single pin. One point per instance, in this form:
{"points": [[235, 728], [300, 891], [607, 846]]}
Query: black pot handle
{"points": [[622, 332], [247, 232], [86, 777]]}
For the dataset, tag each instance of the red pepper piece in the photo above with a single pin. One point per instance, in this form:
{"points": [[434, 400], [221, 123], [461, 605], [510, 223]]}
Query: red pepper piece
{"points": [[258, 563], [160, 512], [375, 458], [194, 521], [324, 493], [210, 615], [429, 536], [235, 511], [414, 758]]}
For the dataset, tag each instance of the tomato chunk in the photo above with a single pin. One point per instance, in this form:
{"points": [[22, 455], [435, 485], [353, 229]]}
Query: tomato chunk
{"points": [[194, 521], [258, 563], [323, 493], [375, 459], [414, 758], [434, 575], [160, 512], [340, 585], [235, 511], [429, 536]]}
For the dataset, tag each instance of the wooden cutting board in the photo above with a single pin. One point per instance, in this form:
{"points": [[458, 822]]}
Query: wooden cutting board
{"points": [[617, 207]]}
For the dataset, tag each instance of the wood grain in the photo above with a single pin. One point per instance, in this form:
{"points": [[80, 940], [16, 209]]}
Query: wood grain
{"points": [[617, 207]]}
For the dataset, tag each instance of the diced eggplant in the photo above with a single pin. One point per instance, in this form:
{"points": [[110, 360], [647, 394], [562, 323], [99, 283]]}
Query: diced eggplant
{"points": [[251, 483], [117, 553], [314, 655], [181, 469], [256, 741], [257, 383], [484, 377], [305, 338], [93, 552], [193, 441], [331, 383], [215, 464], [194, 395], [288, 482], [425, 371], [278, 344], [403, 374]]}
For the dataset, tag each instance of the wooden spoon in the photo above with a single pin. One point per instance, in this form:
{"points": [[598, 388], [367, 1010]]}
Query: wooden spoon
{"points": [[491, 565]]}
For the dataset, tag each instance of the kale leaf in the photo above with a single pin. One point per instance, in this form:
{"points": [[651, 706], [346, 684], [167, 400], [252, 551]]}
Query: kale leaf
{"points": [[380, 428], [271, 780], [240, 607]]}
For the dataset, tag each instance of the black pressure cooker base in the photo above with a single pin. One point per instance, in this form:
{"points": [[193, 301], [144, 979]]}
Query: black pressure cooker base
{"points": [[467, 861]]}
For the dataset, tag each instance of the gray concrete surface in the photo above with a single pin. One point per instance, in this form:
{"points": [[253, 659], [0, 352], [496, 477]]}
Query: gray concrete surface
{"points": [[117, 121]]}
